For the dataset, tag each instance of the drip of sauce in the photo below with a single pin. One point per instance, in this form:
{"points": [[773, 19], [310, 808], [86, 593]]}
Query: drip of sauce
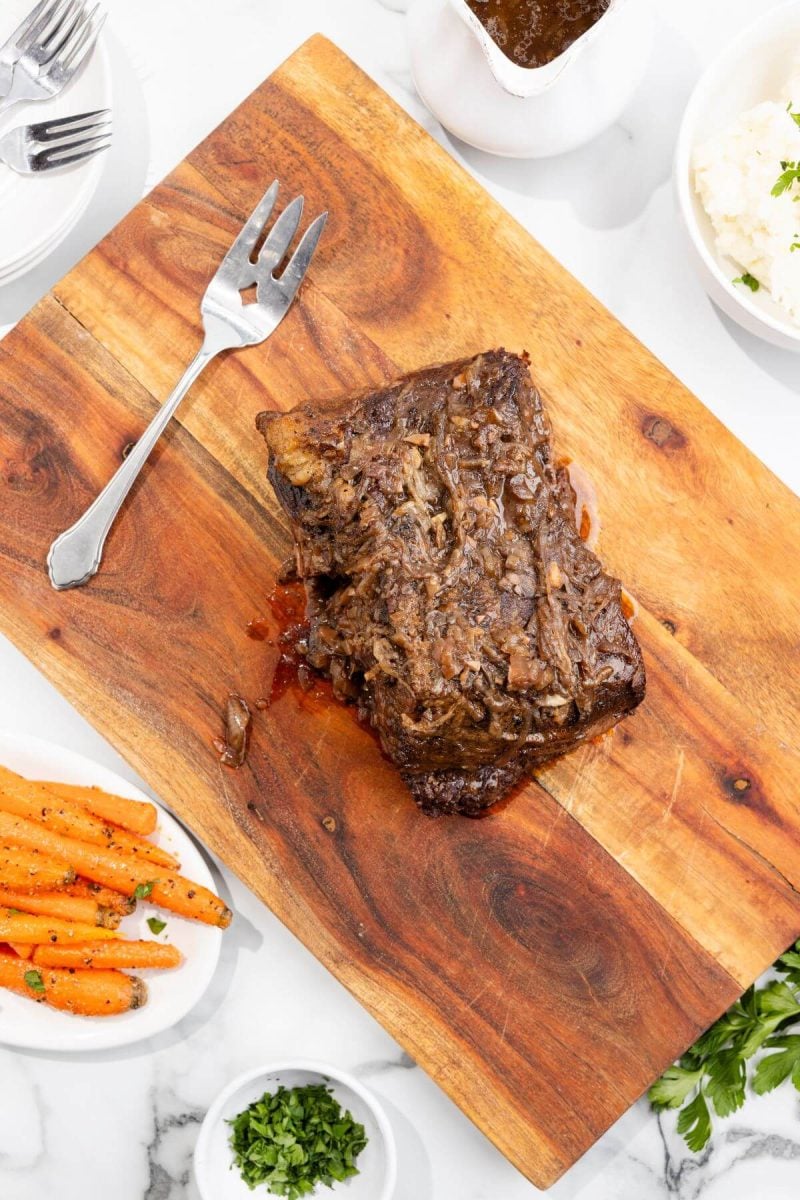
{"points": [[587, 511], [534, 32], [284, 625], [285, 607], [629, 606]]}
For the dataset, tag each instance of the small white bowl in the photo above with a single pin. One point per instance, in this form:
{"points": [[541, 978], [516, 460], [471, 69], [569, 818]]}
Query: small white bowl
{"points": [[753, 68], [218, 1179]]}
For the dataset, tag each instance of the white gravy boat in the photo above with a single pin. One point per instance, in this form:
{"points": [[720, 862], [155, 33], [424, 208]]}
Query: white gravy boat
{"points": [[485, 99]]}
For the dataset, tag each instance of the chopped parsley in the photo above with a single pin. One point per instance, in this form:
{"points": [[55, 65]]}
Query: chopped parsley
{"points": [[156, 925], [794, 115], [295, 1139], [143, 890], [34, 981], [712, 1076], [749, 281]]}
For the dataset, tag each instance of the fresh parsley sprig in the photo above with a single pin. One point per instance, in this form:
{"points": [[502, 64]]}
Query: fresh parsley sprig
{"points": [[712, 1075]]}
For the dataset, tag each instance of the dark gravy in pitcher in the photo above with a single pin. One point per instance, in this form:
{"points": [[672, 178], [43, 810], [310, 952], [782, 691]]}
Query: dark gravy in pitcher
{"points": [[534, 32]]}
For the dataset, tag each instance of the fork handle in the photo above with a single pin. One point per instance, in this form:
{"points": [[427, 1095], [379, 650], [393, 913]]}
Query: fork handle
{"points": [[76, 554]]}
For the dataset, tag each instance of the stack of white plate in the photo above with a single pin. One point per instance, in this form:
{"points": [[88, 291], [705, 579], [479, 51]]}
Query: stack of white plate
{"points": [[38, 211]]}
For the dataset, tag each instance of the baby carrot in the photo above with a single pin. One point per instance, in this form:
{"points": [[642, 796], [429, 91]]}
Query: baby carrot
{"points": [[21, 951], [58, 904], [84, 993], [126, 955], [35, 803], [28, 929], [30, 870], [137, 816], [121, 872], [104, 896]]}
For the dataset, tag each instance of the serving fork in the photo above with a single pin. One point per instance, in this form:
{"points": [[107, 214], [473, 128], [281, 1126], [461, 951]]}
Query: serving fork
{"points": [[49, 145], [230, 321], [47, 50]]}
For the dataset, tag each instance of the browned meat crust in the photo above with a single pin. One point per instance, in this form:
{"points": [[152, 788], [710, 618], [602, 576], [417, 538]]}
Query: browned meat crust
{"points": [[449, 593]]}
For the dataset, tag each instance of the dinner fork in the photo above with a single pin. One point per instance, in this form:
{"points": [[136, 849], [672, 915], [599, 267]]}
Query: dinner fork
{"points": [[12, 50], [52, 50], [230, 321], [48, 145]]}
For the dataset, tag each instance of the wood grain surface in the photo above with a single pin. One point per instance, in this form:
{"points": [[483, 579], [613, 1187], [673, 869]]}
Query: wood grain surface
{"points": [[543, 964]]}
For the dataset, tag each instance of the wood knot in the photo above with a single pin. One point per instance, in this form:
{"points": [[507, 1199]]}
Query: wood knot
{"points": [[742, 790], [661, 433], [126, 449], [54, 633], [669, 625]]}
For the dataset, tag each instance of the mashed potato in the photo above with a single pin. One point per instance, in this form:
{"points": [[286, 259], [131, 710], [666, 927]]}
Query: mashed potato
{"points": [[735, 172]]}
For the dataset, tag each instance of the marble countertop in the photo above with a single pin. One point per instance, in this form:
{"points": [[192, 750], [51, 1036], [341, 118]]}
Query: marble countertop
{"points": [[124, 1123]]}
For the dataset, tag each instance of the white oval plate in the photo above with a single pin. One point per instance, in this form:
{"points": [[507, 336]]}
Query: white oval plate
{"points": [[36, 207], [172, 994]]}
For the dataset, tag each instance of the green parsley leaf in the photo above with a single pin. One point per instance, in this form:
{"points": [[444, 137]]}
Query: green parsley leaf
{"points": [[789, 176], [674, 1087], [789, 965], [294, 1139], [143, 890], [727, 1075], [155, 924], [775, 1069], [34, 981], [778, 1000], [794, 115], [694, 1122], [749, 281]]}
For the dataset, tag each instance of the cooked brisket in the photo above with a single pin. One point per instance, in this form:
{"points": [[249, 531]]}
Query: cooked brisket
{"points": [[449, 594]]}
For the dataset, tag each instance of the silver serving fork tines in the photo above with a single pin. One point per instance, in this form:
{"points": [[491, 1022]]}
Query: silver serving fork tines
{"points": [[49, 145], [47, 50], [230, 321]]}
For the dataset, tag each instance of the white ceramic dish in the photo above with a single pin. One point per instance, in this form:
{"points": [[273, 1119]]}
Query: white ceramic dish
{"points": [[38, 211], [753, 68], [518, 113], [377, 1164], [171, 993]]}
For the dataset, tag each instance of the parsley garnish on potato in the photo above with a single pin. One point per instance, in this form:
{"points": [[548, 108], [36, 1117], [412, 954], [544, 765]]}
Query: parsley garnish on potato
{"points": [[749, 281], [790, 173], [712, 1076], [294, 1139]]}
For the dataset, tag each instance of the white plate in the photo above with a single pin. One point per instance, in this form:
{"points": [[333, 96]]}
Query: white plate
{"points": [[171, 993], [35, 209], [377, 1163], [17, 270], [754, 67]]}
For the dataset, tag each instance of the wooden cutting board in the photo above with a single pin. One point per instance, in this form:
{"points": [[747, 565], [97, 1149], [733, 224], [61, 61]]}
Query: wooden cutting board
{"points": [[545, 964]]}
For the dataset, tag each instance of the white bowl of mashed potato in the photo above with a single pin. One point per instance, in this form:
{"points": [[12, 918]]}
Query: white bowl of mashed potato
{"points": [[737, 176]]}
